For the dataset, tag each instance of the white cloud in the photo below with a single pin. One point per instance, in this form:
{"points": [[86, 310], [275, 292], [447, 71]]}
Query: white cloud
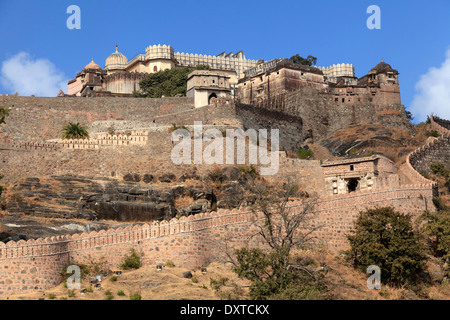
{"points": [[433, 93], [25, 75]]}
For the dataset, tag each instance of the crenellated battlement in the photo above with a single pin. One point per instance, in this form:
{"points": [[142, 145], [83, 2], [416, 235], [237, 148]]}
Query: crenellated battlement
{"points": [[203, 221], [438, 150], [35, 146], [440, 125]]}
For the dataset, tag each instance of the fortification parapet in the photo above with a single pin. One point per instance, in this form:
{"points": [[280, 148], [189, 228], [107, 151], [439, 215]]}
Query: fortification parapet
{"points": [[440, 125]]}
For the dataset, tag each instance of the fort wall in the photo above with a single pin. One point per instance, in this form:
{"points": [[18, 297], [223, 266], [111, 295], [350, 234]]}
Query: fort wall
{"points": [[440, 125], [322, 115], [419, 161], [190, 242], [38, 119]]}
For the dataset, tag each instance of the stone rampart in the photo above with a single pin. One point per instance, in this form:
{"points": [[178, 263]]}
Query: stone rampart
{"points": [[190, 242], [440, 125], [438, 150], [38, 119]]}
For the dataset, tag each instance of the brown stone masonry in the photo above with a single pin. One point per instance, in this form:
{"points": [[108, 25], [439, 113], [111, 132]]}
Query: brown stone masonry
{"points": [[190, 242]]}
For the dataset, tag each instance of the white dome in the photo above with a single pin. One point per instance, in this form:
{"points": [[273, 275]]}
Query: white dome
{"points": [[116, 61]]}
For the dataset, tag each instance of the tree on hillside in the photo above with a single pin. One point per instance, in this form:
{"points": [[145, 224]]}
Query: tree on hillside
{"points": [[309, 61], [74, 131], [385, 238], [273, 271], [435, 226], [409, 115], [167, 83]]}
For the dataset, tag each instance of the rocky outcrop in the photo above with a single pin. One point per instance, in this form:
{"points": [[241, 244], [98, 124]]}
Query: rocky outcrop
{"points": [[100, 199], [358, 140], [94, 199]]}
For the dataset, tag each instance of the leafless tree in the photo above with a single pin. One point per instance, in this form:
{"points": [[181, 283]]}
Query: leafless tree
{"points": [[284, 226]]}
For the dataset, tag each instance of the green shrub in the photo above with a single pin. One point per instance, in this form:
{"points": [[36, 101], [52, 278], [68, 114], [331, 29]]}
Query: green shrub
{"points": [[385, 238], [299, 292], [305, 154], [252, 170], [135, 296], [113, 279], [109, 295], [353, 151], [216, 284], [432, 133], [131, 261], [170, 264], [4, 112], [120, 293], [71, 293], [175, 127], [111, 130], [436, 229], [270, 277], [52, 296], [168, 83], [439, 204], [439, 169]]}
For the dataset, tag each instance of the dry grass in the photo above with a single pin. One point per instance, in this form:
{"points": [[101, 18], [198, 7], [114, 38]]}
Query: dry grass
{"points": [[344, 283], [183, 202], [167, 284]]}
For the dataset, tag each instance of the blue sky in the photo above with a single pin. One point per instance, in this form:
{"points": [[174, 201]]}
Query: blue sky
{"points": [[414, 37]]}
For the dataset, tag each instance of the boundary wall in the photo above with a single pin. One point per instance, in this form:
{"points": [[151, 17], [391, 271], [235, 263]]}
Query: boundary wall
{"points": [[410, 169], [190, 242]]}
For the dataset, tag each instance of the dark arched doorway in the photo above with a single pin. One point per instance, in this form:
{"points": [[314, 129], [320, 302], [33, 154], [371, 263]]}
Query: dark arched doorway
{"points": [[212, 95], [352, 185]]}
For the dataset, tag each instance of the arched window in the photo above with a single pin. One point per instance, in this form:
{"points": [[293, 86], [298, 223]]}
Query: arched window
{"points": [[155, 69]]}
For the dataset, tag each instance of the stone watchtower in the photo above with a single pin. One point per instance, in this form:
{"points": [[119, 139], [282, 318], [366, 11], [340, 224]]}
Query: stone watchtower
{"points": [[206, 86], [385, 78], [88, 80]]}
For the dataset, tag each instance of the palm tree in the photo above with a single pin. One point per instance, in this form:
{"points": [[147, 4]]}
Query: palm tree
{"points": [[74, 131]]}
